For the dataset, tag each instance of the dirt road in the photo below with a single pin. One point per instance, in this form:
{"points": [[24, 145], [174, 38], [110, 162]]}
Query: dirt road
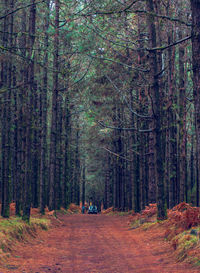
{"points": [[95, 244]]}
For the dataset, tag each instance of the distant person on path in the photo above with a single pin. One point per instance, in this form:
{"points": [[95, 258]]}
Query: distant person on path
{"points": [[83, 209]]}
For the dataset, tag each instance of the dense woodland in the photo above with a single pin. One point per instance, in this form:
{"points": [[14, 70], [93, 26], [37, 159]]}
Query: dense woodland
{"points": [[100, 102]]}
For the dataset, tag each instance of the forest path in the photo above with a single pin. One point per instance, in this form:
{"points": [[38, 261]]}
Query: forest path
{"points": [[95, 244]]}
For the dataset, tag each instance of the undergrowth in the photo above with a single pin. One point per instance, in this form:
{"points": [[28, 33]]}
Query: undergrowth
{"points": [[15, 230], [182, 243], [119, 213], [112, 211], [73, 209], [182, 229]]}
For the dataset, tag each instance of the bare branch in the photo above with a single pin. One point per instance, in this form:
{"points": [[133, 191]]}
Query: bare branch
{"points": [[164, 17], [125, 129], [23, 7], [106, 149], [170, 45], [117, 62], [103, 13]]}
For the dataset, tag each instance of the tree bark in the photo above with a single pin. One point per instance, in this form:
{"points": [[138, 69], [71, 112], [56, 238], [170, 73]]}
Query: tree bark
{"points": [[5, 142], [195, 6], [157, 113], [67, 153], [83, 184], [43, 152], [29, 109], [53, 141], [172, 139], [182, 126]]}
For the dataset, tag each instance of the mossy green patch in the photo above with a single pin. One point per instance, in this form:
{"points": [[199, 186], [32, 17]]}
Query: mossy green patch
{"points": [[197, 263], [146, 226], [193, 260], [135, 224], [42, 223], [184, 242]]}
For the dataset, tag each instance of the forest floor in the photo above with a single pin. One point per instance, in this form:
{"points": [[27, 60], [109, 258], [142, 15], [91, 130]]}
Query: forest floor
{"points": [[95, 243]]}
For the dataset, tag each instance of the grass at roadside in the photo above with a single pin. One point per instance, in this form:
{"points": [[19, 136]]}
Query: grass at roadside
{"points": [[182, 229], [14, 230]]}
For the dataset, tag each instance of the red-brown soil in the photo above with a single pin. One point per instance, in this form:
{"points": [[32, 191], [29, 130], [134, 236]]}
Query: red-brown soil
{"points": [[95, 244]]}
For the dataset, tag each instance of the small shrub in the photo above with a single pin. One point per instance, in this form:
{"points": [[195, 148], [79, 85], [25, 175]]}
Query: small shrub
{"points": [[184, 243], [108, 210], [184, 217], [73, 208], [149, 211]]}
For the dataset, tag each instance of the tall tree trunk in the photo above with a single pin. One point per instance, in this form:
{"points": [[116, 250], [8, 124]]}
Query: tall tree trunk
{"points": [[134, 166], [106, 182], [157, 113], [43, 152], [77, 170], [5, 168], [60, 155], [195, 6], [67, 166], [182, 125], [21, 96], [172, 127], [11, 83], [142, 124], [29, 108], [119, 163], [53, 141], [83, 184]]}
